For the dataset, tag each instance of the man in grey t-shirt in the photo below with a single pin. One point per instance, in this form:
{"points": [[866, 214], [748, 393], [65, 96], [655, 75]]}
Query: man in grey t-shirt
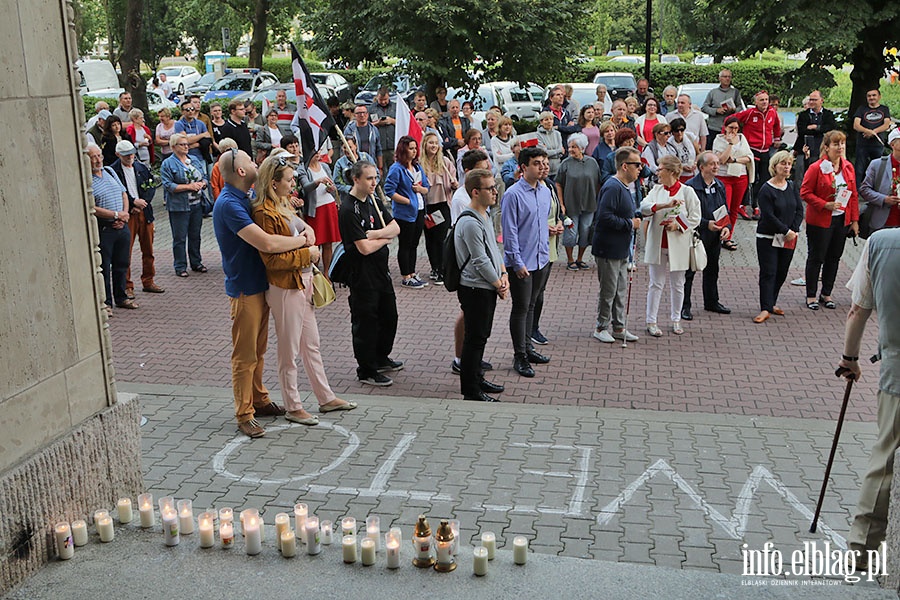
{"points": [[875, 286], [384, 113]]}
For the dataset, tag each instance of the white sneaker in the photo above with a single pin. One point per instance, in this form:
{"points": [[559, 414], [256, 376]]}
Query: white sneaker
{"points": [[625, 335], [800, 281], [604, 336]]}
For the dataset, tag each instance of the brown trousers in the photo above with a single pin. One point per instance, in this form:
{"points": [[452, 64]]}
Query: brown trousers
{"points": [[143, 231]]}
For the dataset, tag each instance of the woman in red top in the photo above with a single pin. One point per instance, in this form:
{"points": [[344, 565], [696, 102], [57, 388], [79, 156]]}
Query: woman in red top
{"points": [[832, 207]]}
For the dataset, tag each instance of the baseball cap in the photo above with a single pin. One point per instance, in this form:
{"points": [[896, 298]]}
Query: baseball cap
{"points": [[104, 114], [894, 135], [124, 148]]}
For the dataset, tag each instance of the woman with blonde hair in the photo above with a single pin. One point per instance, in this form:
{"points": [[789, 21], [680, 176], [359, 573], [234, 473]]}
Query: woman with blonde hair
{"points": [[290, 293], [442, 175], [502, 143]]}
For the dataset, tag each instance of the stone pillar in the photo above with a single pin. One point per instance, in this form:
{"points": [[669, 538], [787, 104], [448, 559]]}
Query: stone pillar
{"points": [[67, 445]]}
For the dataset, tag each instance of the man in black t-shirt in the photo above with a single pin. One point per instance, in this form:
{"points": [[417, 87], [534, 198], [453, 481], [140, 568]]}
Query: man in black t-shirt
{"points": [[235, 127], [870, 121], [366, 230]]}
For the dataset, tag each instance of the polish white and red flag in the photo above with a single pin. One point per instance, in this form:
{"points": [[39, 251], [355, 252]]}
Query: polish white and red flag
{"points": [[406, 125], [313, 120]]}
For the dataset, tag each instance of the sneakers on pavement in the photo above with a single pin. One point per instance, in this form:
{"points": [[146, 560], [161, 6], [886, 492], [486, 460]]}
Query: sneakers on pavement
{"points": [[414, 283], [391, 365], [377, 380], [604, 336], [625, 335], [252, 429], [538, 338], [800, 281]]}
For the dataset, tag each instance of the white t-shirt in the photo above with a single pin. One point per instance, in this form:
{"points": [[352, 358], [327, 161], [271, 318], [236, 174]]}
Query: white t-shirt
{"points": [[130, 181], [839, 182], [416, 176], [143, 152], [458, 203], [275, 135], [322, 196], [860, 283]]}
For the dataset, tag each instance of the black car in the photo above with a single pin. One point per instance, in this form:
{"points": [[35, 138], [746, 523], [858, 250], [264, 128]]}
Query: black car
{"points": [[618, 85]]}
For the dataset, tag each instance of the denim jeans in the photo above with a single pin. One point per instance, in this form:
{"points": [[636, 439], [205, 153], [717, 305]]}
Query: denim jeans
{"points": [[186, 227]]}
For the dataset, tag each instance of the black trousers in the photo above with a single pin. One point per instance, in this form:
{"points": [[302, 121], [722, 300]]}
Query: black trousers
{"points": [[525, 293], [826, 245], [865, 155], [539, 304], [408, 243], [115, 258], [710, 274], [773, 268], [373, 319], [762, 170], [478, 314], [434, 237]]}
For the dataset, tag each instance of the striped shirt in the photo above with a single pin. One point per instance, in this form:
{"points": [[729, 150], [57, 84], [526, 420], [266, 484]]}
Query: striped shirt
{"points": [[107, 191]]}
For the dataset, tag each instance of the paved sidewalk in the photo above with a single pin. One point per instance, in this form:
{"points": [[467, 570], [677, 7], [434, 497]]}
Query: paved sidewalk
{"points": [[663, 489]]}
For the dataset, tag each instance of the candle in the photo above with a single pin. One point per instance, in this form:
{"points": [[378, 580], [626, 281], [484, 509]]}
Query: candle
{"points": [[392, 546], [348, 526], [99, 514], [170, 527], [348, 543], [313, 542], [282, 524], [105, 529], [520, 550], [327, 529], [252, 538], [245, 514], [226, 515], [444, 553], [65, 545], [166, 503], [481, 561], [368, 552], [454, 527], [79, 532], [123, 506], [301, 511], [145, 506], [226, 533], [185, 517], [288, 543], [489, 541], [397, 533], [205, 524], [373, 530], [423, 550]]}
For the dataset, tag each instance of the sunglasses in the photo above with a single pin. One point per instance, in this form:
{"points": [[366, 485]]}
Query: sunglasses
{"points": [[188, 109]]}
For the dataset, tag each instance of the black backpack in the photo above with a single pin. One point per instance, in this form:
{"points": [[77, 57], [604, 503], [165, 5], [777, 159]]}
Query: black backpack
{"points": [[453, 270]]}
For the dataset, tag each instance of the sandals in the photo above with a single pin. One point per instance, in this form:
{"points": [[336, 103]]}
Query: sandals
{"points": [[762, 317], [827, 303], [677, 329], [182, 274], [730, 245], [583, 265], [572, 266], [777, 311], [200, 269], [653, 330], [812, 305]]}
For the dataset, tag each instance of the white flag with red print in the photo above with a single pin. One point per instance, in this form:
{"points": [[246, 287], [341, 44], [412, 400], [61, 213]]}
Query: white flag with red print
{"points": [[406, 124], [313, 120]]}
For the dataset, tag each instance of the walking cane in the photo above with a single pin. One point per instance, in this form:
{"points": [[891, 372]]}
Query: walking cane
{"points": [[837, 434], [630, 282]]}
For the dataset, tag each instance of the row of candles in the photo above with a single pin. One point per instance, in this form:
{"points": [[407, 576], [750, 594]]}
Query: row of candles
{"points": [[438, 551]]}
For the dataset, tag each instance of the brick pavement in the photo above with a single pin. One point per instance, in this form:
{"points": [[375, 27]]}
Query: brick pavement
{"points": [[724, 364], [641, 486]]}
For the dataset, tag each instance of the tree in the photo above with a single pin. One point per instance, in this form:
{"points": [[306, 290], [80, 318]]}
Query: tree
{"points": [[202, 22], [130, 57], [444, 41], [90, 24], [262, 15]]}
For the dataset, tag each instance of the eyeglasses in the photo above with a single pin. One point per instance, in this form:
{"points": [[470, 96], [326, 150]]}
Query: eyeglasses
{"points": [[634, 164], [183, 144], [678, 130], [188, 109], [493, 189], [665, 133]]}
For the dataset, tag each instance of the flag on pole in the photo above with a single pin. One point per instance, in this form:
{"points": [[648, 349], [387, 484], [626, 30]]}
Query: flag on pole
{"points": [[313, 120], [406, 124]]}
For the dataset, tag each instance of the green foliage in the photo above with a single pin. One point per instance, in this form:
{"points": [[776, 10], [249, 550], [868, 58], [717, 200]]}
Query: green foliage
{"points": [[90, 24], [839, 96], [202, 21]]}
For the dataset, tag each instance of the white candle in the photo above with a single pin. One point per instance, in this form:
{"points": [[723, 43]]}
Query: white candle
{"points": [[313, 542], [65, 545], [327, 532], [185, 517], [226, 533], [170, 527], [282, 524], [105, 529], [520, 550], [373, 531], [205, 525], [489, 541], [145, 506], [348, 544], [481, 561], [422, 546], [397, 533], [301, 511], [288, 543], [226, 515], [454, 527], [368, 552], [245, 514], [166, 503], [392, 547], [348, 526], [252, 539], [123, 506], [99, 514], [444, 553], [79, 532]]}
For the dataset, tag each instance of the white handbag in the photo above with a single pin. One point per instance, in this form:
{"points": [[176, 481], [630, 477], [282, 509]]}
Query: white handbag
{"points": [[698, 253]]}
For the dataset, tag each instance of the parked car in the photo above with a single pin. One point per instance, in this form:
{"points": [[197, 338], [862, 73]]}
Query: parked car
{"points": [[630, 59], [180, 78], [618, 85], [612, 53], [98, 79], [698, 93], [202, 85], [237, 81], [703, 59], [515, 101], [269, 93], [156, 101], [341, 86], [583, 93], [671, 59], [401, 86], [580, 59]]}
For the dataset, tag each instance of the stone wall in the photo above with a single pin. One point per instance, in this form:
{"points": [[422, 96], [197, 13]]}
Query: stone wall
{"points": [[56, 378]]}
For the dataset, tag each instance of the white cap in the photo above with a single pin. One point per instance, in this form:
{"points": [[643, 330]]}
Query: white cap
{"points": [[124, 148], [894, 135]]}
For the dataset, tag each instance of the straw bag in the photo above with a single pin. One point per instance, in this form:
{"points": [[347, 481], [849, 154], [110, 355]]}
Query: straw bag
{"points": [[323, 293]]}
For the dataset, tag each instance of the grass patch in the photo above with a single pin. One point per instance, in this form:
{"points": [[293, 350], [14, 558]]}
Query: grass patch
{"points": [[838, 97]]}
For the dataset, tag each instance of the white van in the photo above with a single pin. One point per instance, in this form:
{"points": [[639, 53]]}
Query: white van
{"points": [[98, 79]]}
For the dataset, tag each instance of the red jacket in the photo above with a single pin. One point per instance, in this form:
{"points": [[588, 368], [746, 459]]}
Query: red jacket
{"points": [[818, 188], [130, 129], [760, 129]]}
